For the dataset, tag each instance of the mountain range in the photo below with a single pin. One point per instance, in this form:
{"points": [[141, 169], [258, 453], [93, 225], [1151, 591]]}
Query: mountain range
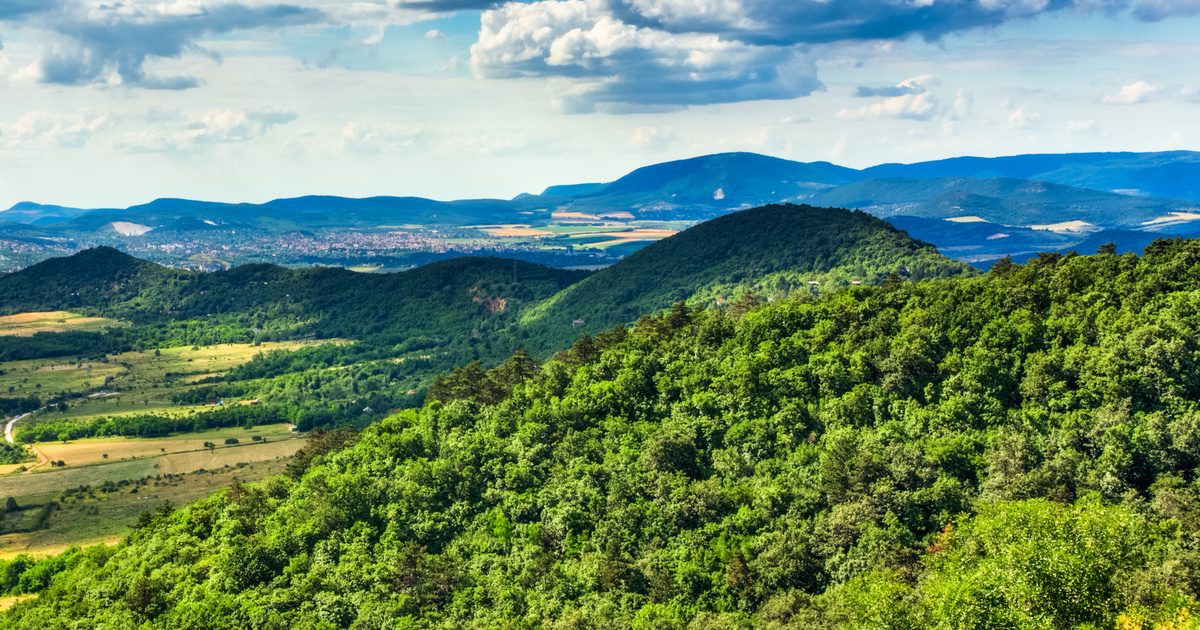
{"points": [[975, 209]]}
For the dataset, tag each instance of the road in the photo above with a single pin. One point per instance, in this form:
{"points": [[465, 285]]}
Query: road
{"points": [[9, 427]]}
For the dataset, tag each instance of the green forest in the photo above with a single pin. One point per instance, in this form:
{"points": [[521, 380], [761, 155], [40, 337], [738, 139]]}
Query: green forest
{"points": [[401, 330], [1015, 449]]}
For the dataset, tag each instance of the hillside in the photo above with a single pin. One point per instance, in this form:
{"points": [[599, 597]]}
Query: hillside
{"points": [[980, 241], [1010, 450], [1003, 201], [707, 186], [1164, 174], [335, 301], [94, 277], [771, 251]]}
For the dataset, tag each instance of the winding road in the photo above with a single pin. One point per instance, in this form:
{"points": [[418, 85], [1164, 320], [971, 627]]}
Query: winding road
{"points": [[8, 427]]}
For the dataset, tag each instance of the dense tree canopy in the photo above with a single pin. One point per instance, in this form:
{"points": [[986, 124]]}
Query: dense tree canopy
{"points": [[1012, 450]]}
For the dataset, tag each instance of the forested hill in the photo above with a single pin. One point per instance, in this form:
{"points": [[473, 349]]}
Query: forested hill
{"points": [[95, 277], [435, 299], [771, 251], [1018, 449]]}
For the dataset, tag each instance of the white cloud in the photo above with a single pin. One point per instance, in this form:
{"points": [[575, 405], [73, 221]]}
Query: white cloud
{"points": [[964, 103], [915, 85], [909, 106], [47, 129], [371, 137], [1134, 93], [612, 65], [1021, 118], [215, 127]]}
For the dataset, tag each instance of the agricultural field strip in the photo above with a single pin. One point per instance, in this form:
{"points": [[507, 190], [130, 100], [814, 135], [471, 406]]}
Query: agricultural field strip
{"points": [[144, 382], [45, 485], [28, 324], [100, 517]]}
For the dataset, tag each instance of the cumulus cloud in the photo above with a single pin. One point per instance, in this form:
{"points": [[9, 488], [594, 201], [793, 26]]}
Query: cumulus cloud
{"points": [[363, 137], [1134, 93], [621, 67], [1021, 118], [47, 129], [104, 43], [630, 55], [964, 102], [214, 127], [921, 106]]}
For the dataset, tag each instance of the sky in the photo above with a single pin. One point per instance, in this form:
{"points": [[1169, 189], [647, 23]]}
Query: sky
{"points": [[109, 103]]}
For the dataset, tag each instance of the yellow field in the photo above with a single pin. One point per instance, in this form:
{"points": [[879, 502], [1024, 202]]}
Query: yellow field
{"points": [[53, 376], [28, 324], [131, 369], [92, 451], [625, 236], [139, 459], [515, 231], [125, 477], [105, 517]]}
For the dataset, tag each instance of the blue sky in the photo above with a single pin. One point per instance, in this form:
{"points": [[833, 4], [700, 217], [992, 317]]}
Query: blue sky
{"points": [[116, 102]]}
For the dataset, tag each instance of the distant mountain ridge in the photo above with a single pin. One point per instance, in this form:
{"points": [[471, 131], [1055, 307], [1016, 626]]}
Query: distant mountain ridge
{"points": [[1071, 194], [741, 178]]}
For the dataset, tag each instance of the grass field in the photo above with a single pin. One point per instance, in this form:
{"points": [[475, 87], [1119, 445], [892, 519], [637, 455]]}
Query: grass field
{"points": [[608, 239], [138, 475], [104, 484], [28, 324], [105, 516], [46, 377], [92, 451], [133, 458], [514, 231], [130, 383]]}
